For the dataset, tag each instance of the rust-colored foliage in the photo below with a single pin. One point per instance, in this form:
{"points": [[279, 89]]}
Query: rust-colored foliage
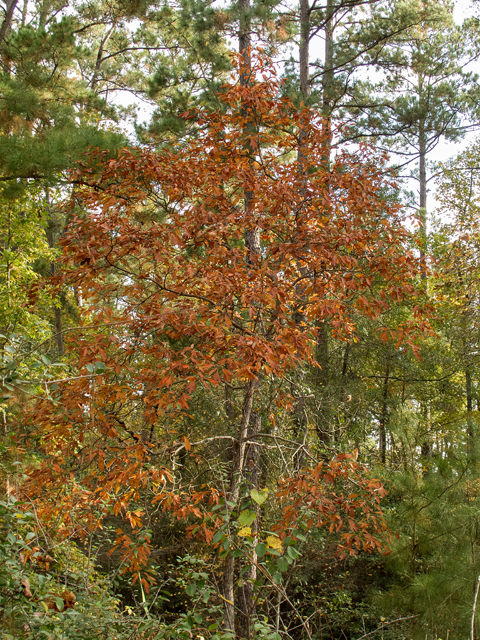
{"points": [[340, 497], [171, 302]]}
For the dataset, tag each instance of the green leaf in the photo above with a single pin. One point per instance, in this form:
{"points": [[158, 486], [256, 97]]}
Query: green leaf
{"points": [[293, 553], [100, 367], [259, 497], [218, 537], [46, 360], [261, 549], [246, 518], [191, 589], [298, 534], [189, 623], [282, 564]]}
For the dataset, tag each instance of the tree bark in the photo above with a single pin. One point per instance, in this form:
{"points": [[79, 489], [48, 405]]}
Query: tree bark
{"points": [[245, 596], [384, 416], [56, 310], [322, 331], [422, 212], [327, 81], [7, 21], [304, 49], [244, 602]]}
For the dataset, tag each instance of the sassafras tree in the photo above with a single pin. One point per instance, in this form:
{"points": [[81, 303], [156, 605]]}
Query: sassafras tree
{"points": [[175, 301]]}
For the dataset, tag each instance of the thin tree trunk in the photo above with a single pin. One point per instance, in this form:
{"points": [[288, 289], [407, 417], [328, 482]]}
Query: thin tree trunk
{"points": [[245, 595], [235, 483], [56, 310], [7, 21], [384, 416], [327, 80], [472, 453], [299, 422], [304, 49], [322, 355], [244, 603], [422, 212], [98, 63]]}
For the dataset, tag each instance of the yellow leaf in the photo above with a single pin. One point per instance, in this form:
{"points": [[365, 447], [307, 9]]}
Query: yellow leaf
{"points": [[245, 531], [273, 542]]}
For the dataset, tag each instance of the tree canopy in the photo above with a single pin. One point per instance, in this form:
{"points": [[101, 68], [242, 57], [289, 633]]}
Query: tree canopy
{"points": [[239, 387]]}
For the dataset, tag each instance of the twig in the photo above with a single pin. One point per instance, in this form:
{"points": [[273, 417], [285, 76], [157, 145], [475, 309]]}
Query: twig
{"points": [[472, 636], [386, 624]]}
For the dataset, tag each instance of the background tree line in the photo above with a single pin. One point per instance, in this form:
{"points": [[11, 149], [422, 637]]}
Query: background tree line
{"points": [[238, 349]]}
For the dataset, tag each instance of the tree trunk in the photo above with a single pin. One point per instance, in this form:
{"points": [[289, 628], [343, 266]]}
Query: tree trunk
{"points": [[384, 416], [7, 21], [249, 424], [422, 212], [471, 436], [245, 596], [56, 310], [304, 49], [98, 63], [327, 80], [299, 421], [323, 430], [235, 484]]}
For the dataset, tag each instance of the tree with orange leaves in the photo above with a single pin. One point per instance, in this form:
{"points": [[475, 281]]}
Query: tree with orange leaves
{"points": [[176, 300]]}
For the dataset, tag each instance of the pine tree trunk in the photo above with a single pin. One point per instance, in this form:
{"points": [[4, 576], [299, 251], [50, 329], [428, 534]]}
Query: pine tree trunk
{"points": [[422, 175], [470, 428], [7, 21], [327, 79], [322, 355], [384, 416], [423, 198], [299, 421], [304, 49], [56, 310]]}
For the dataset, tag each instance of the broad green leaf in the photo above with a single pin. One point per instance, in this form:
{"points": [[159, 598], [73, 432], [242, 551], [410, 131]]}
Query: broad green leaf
{"points": [[246, 518], [282, 564], [293, 553], [259, 497], [218, 537]]}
